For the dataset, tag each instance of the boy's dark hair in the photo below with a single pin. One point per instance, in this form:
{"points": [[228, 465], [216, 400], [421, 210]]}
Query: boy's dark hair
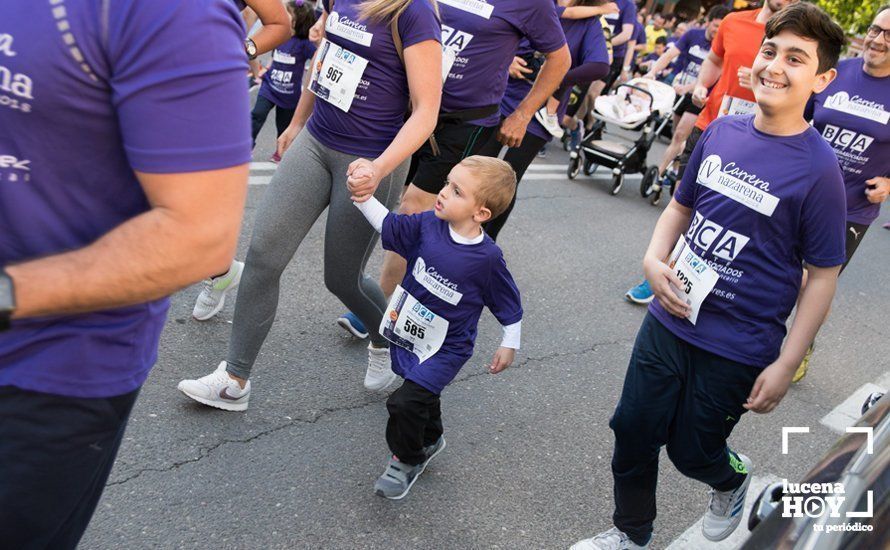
{"points": [[718, 12], [808, 21], [303, 18], [661, 40]]}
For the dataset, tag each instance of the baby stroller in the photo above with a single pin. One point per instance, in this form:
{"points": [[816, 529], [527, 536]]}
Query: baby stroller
{"points": [[640, 104]]}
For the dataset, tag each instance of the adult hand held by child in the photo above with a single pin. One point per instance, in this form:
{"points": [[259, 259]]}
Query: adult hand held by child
{"points": [[502, 359], [362, 179], [661, 277], [769, 388]]}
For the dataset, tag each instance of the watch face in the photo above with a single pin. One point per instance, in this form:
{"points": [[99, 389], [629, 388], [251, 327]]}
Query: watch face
{"points": [[6, 300], [251, 48]]}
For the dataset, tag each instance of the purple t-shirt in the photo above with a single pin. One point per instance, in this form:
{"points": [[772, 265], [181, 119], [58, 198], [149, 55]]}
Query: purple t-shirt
{"points": [[853, 115], [587, 44], [91, 104], [381, 99], [454, 281], [627, 15], [694, 48], [761, 205], [639, 34], [484, 37], [282, 83]]}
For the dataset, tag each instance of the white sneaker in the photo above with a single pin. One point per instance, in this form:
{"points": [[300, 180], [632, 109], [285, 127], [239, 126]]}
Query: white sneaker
{"points": [[379, 374], [213, 295], [217, 389], [613, 539], [725, 507], [549, 122]]}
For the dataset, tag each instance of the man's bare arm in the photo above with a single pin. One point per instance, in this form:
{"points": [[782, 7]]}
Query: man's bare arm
{"points": [[189, 234]]}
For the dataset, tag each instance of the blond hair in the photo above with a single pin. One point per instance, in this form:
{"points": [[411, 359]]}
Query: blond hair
{"points": [[497, 182], [386, 10]]}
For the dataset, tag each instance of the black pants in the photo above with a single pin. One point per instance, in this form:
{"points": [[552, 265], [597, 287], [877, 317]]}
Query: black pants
{"points": [[681, 396], [55, 456], [855, 233], [260, 112], [519, 159], [415, 422]]}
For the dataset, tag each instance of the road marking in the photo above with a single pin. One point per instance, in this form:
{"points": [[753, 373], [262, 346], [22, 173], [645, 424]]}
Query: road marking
{"points": [[847, 413], [268, 166], [259, 180], [692, 537], [543, 166]]}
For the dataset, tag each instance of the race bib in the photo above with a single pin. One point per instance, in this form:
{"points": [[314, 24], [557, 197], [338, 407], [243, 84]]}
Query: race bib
{"points": [[736, 106], [410, 325], [336, 75], [697, 277]]}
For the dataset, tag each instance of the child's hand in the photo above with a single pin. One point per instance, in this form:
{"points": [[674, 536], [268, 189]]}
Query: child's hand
{"points": [[502, 359], [769, 388], [362, 179]]}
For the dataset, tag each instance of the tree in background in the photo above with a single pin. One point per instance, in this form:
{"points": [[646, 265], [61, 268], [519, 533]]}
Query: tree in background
{"points": [[854, 16]]}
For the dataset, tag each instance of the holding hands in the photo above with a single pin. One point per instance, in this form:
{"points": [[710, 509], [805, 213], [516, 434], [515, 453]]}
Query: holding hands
{"points": [[363, 177]]}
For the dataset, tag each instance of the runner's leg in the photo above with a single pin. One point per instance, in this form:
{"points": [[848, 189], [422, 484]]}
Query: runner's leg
{"points": [[299, 192]]}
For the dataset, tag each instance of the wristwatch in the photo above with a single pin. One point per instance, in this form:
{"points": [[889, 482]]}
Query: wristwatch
{"points": [[250, 48], [7, 299]]}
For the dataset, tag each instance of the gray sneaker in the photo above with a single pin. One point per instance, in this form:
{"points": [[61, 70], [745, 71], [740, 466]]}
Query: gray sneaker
{"points": [[397, 479], [432, 450]]}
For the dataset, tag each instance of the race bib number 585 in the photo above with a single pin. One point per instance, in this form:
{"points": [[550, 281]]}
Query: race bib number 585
{"points": [[409, 324]]}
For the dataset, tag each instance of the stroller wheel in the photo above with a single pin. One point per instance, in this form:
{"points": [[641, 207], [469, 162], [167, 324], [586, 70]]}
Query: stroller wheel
{"points": [[617, 182], [655, 197], [589, 167], [650, 178], [574, 167]]}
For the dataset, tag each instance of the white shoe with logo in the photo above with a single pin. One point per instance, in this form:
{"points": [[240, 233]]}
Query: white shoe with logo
{"points": [[379, 374], [549, 122], [613, 539], [217, 389], [213, 295], [726, 507]]}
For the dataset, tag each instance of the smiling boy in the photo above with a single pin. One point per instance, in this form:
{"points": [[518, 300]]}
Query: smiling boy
{"points": [[455, 270], [763, 193]]}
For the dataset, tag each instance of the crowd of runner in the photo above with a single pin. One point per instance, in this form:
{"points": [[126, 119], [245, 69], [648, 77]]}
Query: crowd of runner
{"points": [[124, 151]]}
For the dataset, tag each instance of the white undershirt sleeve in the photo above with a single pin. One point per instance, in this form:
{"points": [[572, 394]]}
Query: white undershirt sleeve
{"points": [[512, 335], [374, 212]]}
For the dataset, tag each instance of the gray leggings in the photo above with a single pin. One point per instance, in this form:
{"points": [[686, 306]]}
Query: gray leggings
{"points": [[310, 178]]}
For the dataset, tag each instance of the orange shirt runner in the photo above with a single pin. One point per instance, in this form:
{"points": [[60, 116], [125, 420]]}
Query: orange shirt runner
{"points": [[737, 41]]}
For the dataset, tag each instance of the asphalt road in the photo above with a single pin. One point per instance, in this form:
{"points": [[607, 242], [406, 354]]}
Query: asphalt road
{"points": [[527, 463]]}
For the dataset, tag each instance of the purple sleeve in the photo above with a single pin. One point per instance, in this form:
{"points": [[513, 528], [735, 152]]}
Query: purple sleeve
{"points": [[823, 218], [419, 23], [181, 102], [628, 15], [541, 26], [685, 192], [501, 296], [683, 43], [401, 233]]}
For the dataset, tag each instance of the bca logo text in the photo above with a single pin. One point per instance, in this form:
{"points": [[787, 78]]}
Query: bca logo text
{"points": [[846, 139]]}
